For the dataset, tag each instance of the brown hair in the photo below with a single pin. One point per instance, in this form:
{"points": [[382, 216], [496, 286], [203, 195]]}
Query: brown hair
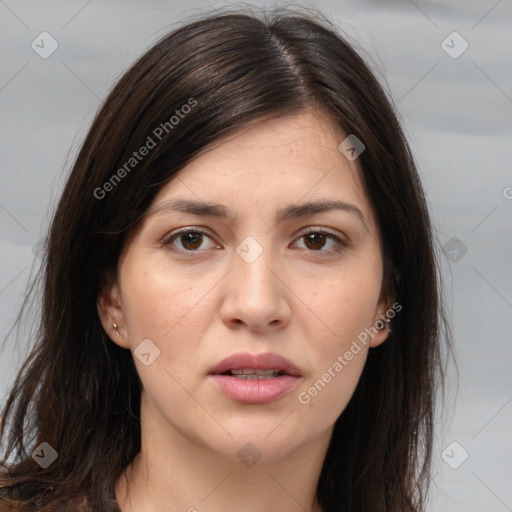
{"points": [[80, 392]]}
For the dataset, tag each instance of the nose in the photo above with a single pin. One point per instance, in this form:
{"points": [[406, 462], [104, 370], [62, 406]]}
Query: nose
{"points": [[256, 295]]}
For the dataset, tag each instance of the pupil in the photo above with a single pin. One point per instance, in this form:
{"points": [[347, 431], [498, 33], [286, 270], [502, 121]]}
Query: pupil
{"points": [[192, 238], [311, 238]]}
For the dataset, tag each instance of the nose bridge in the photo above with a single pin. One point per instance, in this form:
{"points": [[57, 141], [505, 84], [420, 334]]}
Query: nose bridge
{"points": [[253, 264], [255, 294]]}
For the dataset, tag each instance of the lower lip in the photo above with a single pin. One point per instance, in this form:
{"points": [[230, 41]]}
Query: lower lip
{"points": [[255, 391]]}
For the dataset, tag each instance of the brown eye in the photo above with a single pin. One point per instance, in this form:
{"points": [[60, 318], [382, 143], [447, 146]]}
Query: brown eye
{"points": [[190, 240], [316, 241]]}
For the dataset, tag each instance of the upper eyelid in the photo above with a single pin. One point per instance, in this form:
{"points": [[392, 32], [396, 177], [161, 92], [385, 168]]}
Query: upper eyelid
{"points": [[319, 228], [304, 231], [181, 231]]}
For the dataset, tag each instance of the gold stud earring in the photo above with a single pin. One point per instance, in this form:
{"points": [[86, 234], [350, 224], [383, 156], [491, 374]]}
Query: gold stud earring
{"points": [[116, 329], [387, 323]]}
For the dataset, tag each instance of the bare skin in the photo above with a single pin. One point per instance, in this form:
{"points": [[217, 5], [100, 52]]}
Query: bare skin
{"points": [[199, 301]]}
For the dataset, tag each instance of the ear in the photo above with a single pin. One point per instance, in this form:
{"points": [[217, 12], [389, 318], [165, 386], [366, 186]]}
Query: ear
{"points": [[110, 311], [380, 324]]}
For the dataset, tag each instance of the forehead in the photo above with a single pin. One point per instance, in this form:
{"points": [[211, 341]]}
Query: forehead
{"points": [[271, 164]]}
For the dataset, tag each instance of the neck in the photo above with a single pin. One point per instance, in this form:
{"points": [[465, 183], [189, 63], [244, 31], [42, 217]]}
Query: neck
{"points": [[174, 473]]}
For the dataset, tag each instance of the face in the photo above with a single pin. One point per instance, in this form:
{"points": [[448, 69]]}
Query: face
{"points": [[195, 287]]}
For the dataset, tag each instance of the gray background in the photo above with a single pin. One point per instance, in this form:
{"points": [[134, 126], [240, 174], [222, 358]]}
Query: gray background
{"points": [[457, 113]]}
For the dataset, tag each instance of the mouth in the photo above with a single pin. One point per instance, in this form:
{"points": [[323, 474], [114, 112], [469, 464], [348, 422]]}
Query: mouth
{"points": [[254, 366], [255, 378], [253, 374]]}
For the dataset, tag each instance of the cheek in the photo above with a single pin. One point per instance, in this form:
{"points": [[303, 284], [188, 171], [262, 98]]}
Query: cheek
{"points": [[338, 356], [159, 302], [161, 305], [327, 394], [345, 304], [171, 308], [339, 348]]}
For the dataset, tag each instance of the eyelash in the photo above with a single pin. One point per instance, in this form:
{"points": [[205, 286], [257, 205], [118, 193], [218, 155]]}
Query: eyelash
{"points": [[171, 237]]}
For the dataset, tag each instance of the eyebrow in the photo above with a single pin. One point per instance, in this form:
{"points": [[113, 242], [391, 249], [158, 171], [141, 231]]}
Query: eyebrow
{"points": [[292, 211]]}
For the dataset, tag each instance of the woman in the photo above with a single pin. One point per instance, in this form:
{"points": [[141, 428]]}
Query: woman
{"points": [[241, 304]]}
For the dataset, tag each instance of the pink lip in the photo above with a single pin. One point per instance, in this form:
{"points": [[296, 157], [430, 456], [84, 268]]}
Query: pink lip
{"points": [[264, 361], [257, 391]]}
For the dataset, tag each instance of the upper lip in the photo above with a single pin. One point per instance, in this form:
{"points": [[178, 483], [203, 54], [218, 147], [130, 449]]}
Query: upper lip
{"points": [[246, 361]]}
